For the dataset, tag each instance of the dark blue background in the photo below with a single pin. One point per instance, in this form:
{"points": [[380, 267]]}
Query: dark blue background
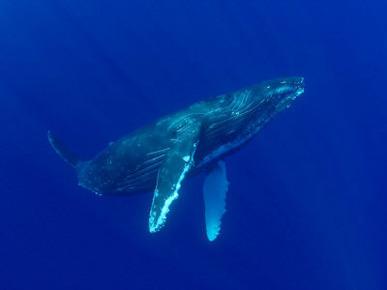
{"points": [[307, 201]]}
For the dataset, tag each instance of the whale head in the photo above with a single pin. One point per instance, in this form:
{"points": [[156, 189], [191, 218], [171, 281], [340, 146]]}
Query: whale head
{"points": [[282, 92]]}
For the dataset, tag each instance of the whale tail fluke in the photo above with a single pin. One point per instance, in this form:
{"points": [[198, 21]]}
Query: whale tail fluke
{"points": [[65, 152]]}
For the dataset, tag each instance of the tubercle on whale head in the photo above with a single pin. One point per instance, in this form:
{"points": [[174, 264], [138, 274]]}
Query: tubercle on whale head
{"points": [[282, 92]]}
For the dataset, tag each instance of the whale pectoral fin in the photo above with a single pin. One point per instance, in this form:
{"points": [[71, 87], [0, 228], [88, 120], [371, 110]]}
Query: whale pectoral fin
{"points": [[215, 190], [176, 164]]}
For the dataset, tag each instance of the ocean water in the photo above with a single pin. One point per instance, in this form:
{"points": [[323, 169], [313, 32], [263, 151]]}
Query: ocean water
{"points": [[307, 202]]}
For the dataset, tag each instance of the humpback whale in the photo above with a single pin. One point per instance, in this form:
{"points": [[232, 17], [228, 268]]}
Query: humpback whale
{"points": [[159, 156]]}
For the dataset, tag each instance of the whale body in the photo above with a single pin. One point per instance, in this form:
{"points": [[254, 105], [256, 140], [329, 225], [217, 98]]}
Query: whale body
{"points": [[159, 156]]}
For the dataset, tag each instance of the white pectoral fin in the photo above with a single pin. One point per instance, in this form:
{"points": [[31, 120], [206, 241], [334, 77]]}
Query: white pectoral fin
{"points": [[176, 164], [215, 190]]}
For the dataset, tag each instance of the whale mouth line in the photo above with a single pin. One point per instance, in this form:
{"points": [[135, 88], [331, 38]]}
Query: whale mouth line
{"points": [[299, 91], [287, 101], [299, 88]]}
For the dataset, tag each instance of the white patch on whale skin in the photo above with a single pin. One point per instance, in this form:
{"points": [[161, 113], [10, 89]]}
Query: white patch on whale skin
{"points": [[286, 102], [215, 189], [155, 227], [165, 210]]}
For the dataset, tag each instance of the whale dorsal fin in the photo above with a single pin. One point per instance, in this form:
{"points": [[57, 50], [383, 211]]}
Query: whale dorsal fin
{"points": [[176, 164], [215, 189]]}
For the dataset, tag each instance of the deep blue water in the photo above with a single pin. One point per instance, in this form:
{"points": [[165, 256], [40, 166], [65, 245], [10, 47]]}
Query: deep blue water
{"points": [[307, 202]]}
